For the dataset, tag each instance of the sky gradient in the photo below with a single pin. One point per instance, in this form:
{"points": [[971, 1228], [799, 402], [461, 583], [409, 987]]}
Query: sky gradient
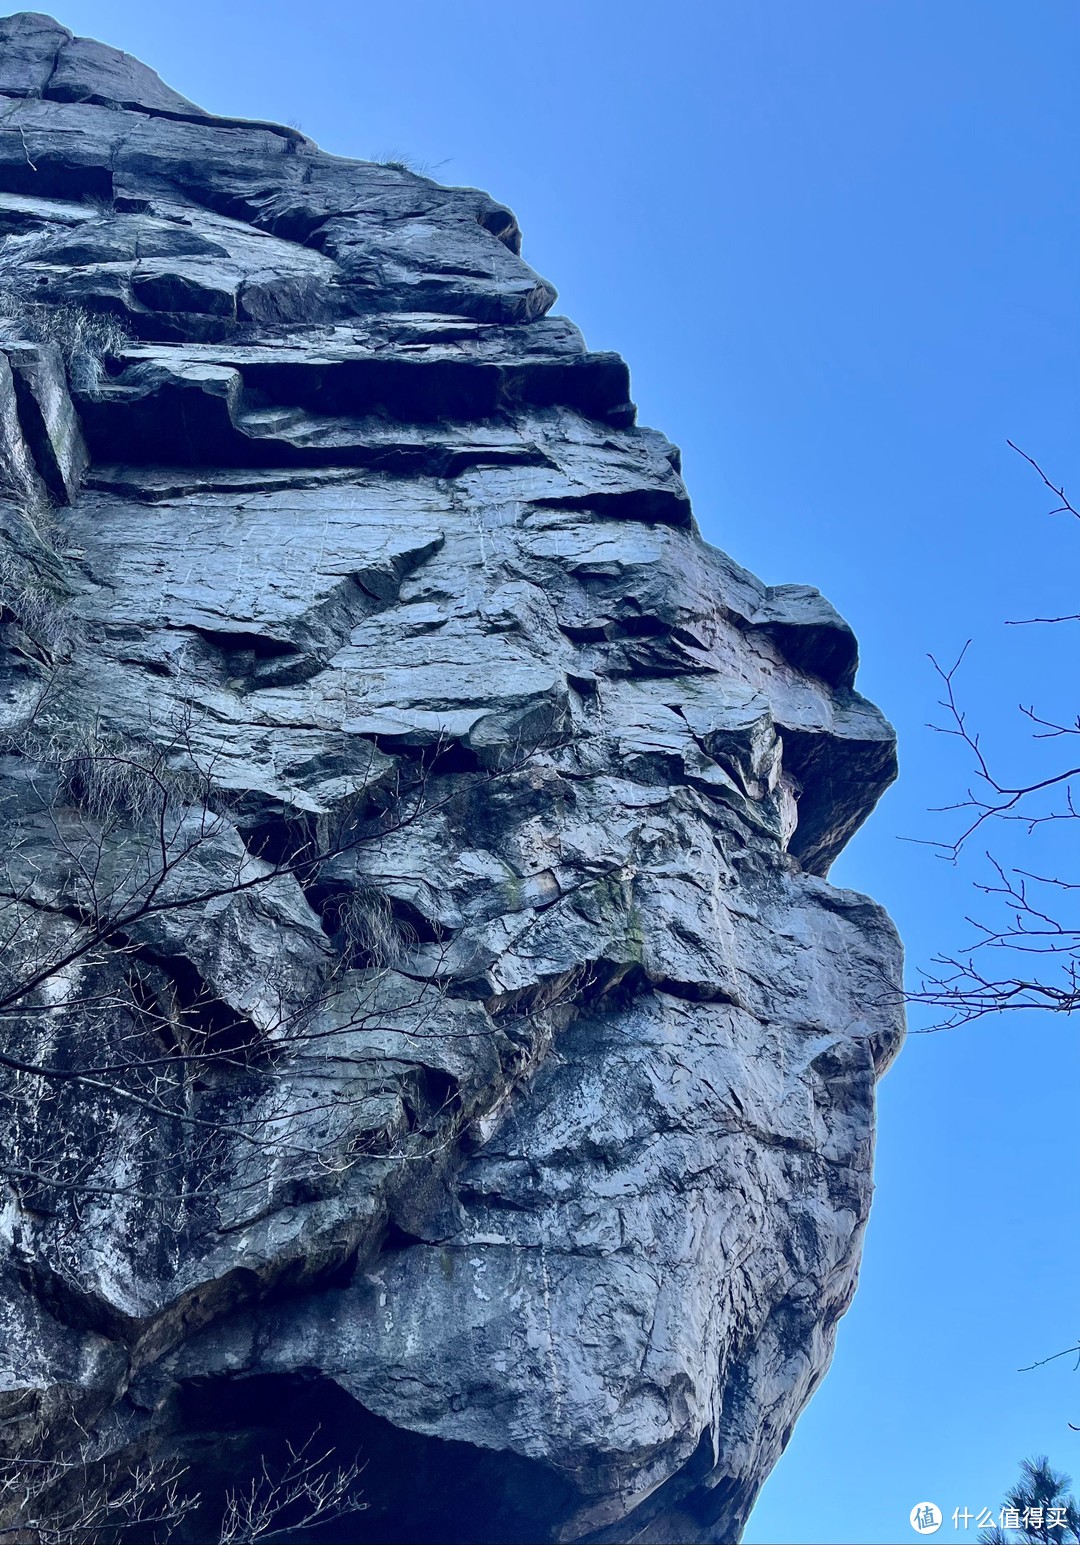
{"points": [[836, 241]]}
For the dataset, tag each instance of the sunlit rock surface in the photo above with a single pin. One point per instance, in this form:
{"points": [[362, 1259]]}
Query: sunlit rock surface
{"points": [[546, 1202]]}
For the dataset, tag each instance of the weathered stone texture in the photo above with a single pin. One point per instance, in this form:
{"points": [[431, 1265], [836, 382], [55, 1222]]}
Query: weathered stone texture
{"points": [[556, 1205]]}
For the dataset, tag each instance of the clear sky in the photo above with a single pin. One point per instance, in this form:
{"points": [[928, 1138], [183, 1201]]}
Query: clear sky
{"points": [[837, 242]]}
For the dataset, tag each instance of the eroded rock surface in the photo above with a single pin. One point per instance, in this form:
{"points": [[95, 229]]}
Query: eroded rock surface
{"points": [[426, 1016]]}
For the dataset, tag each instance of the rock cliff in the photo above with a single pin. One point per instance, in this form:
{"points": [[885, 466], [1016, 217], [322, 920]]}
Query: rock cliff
{"points": [[427, 1029]]}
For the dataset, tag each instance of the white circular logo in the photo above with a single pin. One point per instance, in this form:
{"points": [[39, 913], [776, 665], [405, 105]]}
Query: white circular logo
{"points": [[925, 1518]]}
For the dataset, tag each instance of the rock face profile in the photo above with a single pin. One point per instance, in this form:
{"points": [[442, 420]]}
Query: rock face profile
{"points": [[431, 1046]]}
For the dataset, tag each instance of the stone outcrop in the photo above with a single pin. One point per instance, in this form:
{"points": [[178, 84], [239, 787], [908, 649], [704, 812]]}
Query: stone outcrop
{"points": [[426, 1017]]}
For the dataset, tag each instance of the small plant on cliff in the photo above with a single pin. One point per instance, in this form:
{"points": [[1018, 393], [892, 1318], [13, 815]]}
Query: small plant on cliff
{"points": [[398, 161], [111, 774], [29, 604], [85, 339]]}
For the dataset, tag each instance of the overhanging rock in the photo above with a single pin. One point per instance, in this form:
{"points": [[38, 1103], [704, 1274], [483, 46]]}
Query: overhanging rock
{"points": [[489, 1081]]}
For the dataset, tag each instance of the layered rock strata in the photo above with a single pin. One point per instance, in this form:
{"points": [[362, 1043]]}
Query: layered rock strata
{"points": [[426, 1020]]}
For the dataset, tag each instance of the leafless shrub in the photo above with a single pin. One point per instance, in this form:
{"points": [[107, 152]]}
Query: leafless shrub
{"points": [[309, 1489], [1025, 952], [71, 1498]]}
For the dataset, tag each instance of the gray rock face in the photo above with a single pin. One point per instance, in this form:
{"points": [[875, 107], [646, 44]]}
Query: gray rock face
{"points": [[426, 1019]]}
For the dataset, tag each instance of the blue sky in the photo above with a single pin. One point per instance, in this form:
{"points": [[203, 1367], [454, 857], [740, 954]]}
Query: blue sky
{"points": [[836, 241]]}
